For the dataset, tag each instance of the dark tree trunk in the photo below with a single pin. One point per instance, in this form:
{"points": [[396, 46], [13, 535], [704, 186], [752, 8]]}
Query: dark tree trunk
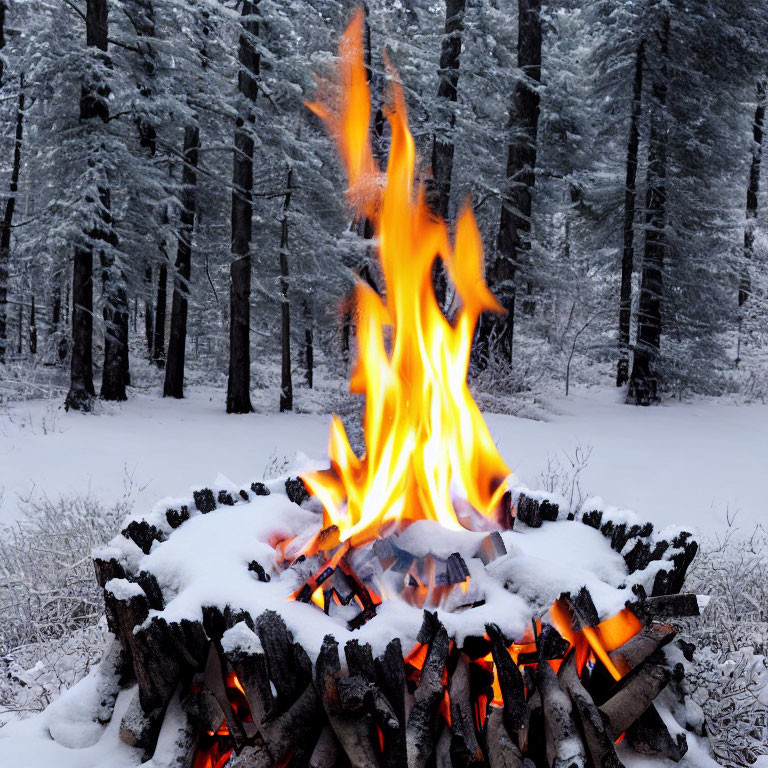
{"points": [[143, 19], [443, 146], [513, 242], [158, 339], [286, 385], [447, 91], [309, 343], [149, 326], [644, 380], [10, 206], [238, 385], [177, 340], [114, 376], [32, 328], [752, 191], [3, 9], [20, 335], [94, 105], [56, 333], [81, 377], [630, 196]]}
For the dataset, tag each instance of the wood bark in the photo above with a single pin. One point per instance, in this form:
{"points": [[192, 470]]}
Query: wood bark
{"points": [[286, 385], [149, 326], [32, 327], [592, 724], [177, 338], [563, 744], [447, 92], [158, 335], [443, 144], [644, 380], [114, 376], [238, 384], [309, 343], [630, 196], [513, 242], [10, 207], [753, 188], [420, 730], [94, 105]]}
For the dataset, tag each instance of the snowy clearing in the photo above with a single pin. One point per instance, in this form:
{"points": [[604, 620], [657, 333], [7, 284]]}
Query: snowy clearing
{"points": [[677, 463]]}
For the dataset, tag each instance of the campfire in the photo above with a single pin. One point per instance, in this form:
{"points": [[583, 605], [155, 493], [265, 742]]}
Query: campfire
{"points": [[481, 623]]}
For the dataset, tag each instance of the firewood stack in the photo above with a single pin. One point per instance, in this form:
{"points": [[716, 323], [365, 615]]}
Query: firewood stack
{"points": [[236, 684]]}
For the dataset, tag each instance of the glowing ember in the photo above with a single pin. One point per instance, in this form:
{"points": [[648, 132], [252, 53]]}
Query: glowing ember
{"points": [[426, 442]]}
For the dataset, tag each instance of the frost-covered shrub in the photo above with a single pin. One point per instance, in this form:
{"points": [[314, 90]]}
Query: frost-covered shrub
{"points": [[51, 608], [730, 677]]}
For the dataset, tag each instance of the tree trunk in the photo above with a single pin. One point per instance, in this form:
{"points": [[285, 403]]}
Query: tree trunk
{"points": [[286, 385], [630, 195], [114, 375], [55, 332], [513, 242], [174, 367], [10, 206], [94, 105], [443, 146], [644, 380], [81, 373], [158, 339], [752, 191], [32, 328], [143, 18], [238, 385], [447, 91], [149, 327], [309, 343]]}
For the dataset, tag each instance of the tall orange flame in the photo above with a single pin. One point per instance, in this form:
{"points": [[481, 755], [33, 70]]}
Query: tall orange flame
{"points": [[426, 441]]}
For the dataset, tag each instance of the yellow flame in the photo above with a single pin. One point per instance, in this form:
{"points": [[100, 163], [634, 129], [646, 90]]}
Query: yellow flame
{"points": [[426, 441]]}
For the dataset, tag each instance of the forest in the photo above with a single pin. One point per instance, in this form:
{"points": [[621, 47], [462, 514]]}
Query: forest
{"points": [[171, 205], [505, 223]]}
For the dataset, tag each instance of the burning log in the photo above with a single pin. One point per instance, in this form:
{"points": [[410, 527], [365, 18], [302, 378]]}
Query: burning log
{"points": [[279, 741], [591, 721], [491, 548], [510, 680], [420, 729], [634, 695], [564, 747], [464, 750], [644, 644], [355, 730], [502, 750], [390, 677]]}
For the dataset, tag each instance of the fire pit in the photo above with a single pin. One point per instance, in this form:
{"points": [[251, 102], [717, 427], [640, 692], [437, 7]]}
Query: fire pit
{"points": [[414, 607]]}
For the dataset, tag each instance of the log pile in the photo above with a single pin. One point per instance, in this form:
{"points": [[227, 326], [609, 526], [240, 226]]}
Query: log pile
{"points": [[235, 684]]}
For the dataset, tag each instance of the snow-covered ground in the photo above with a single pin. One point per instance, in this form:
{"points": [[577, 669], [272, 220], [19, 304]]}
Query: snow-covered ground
{"points": [[676, 463]]}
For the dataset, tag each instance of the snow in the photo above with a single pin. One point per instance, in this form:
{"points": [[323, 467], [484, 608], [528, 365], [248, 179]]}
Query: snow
{"points": [[30, 743], [673, 465], [676, 463]]}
